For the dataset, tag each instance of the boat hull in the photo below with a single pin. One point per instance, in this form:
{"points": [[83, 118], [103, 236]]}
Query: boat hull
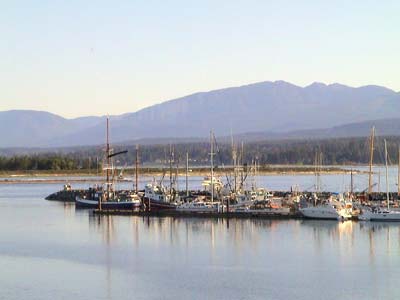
{"points": [[197, 210], [322, 213], [122, 205], [266, 211], [392, 216], [159, 205]]}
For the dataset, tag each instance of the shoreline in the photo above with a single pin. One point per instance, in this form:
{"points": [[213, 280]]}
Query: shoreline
{"points": [[82, 176]]}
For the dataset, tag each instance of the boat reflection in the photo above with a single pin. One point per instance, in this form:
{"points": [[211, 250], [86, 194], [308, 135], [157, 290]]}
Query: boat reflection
{"points": [[249, 236]]}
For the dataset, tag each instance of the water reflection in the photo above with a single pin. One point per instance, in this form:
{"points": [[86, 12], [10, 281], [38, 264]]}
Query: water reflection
{"points": [[121, 257], [245, 236]]}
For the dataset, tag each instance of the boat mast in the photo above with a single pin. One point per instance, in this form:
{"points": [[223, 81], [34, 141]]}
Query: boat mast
{"points": [[212, 166], [234, 159], [316, 172], [387, 176], [176, 182], [170, 169], [137, 170], [398, 175], [187, 173], [254, 175], [371, 157], [351, 182], [241, 187], [108, 158], [318, 166]]}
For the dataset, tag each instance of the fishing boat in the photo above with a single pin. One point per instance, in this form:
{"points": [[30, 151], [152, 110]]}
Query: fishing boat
{"points": [[214, 181], [117, 202], [157, 197], [105, 197]]}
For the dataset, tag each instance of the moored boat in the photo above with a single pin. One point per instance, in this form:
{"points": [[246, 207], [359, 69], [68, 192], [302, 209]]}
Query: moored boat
{"points": [[198, 206], [378, 213], [128, 204], [329, 211], [156, 197], [107, 197]]}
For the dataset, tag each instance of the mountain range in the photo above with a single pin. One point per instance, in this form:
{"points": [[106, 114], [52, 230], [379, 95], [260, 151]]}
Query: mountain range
{"points": [[265, 110]]}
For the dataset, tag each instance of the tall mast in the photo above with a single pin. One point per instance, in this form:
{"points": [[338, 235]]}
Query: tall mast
{"points": [[351, 182], [387, 176], [212, 166], [320, 170], [234, 159], [108, 158], [176, 182], [187, 173], [254, 174], [318, 163], [137, 170], [398, 175], [242, 168], [170, 168], [316, 171], [371, 157]]}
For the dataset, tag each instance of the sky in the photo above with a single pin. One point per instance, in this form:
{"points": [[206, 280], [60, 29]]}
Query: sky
{"points": [[77, 58]]}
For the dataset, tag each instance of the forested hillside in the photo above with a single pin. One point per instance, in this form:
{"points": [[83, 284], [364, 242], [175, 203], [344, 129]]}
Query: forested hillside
{"points": [[302, 152]]}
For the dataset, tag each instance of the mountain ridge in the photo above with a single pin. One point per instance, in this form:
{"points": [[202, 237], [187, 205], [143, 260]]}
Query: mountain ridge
{"points": [[278, 107]]}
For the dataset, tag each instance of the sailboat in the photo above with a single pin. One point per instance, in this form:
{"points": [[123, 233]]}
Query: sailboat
{"points": [[106, 197], [378, 213]]}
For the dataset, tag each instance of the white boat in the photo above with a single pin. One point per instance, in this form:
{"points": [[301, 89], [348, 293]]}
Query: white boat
{"points": [[197, 206], [331, 210], [379, 214], [268, 211]]}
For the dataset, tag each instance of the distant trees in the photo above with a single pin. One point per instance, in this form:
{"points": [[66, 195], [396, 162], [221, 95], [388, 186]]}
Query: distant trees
{"points": [[299, 152], [44, 162]]}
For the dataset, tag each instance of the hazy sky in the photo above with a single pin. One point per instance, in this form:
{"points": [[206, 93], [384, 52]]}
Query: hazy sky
{"points": [[79, 58]]}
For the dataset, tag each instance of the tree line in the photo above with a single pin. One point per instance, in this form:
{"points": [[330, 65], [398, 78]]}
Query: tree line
{"points": [[44, 162], [338, 151]]}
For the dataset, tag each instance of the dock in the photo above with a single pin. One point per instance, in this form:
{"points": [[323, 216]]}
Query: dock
{"points": [[182, 214]]}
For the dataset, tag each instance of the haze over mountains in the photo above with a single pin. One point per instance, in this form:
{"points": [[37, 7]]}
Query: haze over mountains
{"points": [[256, 111]]}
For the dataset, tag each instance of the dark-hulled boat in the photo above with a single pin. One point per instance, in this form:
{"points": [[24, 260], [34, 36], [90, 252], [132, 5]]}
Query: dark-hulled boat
{"points": [[157, 198], [107, 197], [120, 201]]}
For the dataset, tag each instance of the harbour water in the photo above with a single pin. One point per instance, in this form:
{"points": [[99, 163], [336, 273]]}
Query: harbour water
{"points": [[48, 250]]}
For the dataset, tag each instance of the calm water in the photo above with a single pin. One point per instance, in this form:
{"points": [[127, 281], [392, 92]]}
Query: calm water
{"points": [[50, 251]]}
